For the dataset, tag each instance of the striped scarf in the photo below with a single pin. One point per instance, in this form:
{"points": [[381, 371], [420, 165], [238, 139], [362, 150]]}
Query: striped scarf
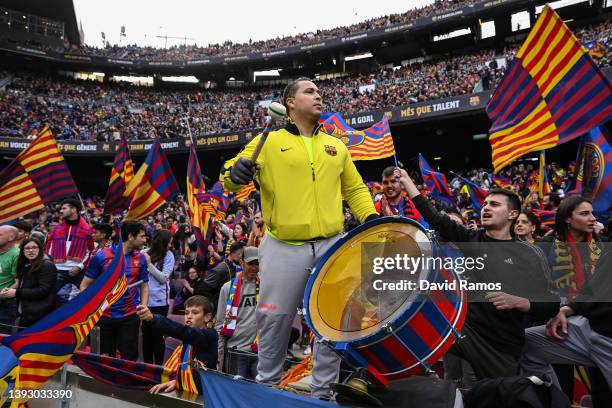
{"points": [[231, 310], [180, 362], [255, 239], [80, 237], [567, 265]]}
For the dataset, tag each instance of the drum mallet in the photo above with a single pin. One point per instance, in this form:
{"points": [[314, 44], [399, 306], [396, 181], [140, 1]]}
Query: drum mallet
{"points": [[276, 111]]}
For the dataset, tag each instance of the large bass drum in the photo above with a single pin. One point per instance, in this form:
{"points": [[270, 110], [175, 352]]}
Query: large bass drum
{"points": [[393, 333]]}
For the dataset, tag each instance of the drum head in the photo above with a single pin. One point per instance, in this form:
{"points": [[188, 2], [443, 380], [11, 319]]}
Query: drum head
{"points": [[342, 302]]}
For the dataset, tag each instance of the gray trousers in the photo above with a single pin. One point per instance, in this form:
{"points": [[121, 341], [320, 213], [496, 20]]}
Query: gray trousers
{"points": [[284, 271], [583, 346]]}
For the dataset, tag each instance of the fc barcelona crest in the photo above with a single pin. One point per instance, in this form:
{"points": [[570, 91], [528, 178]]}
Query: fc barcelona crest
{"points": [[593, 170], [331, 150]]}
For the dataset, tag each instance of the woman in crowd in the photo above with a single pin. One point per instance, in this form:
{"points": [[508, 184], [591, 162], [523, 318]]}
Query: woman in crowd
{"points": [[527, 226], [189, 283], [532, 201], [36, 280], [160, 264], [184, 243], [240, 233], [573, 251], [216, 249]]}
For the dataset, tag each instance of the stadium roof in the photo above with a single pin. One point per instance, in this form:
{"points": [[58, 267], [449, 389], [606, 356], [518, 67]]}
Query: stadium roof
{"points": [[62, 10]]}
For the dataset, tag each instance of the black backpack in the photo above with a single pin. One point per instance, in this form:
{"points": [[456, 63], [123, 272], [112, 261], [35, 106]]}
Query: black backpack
{"points": [[515, 392]]}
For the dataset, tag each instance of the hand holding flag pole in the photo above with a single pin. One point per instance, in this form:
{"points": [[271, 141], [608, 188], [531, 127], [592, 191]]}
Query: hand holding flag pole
{"points": [[276, 111], [85, 212]]}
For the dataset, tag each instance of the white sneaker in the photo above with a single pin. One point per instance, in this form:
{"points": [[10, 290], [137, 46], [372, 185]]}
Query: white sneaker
{"points": [[307, 351]]}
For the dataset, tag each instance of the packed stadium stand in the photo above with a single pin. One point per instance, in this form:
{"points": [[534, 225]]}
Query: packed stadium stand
{"points": [[413, 73], [424, 104]]}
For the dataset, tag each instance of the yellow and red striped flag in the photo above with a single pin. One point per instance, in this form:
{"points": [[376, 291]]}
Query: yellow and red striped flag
{"points": [[245, 192], [37, 176]]}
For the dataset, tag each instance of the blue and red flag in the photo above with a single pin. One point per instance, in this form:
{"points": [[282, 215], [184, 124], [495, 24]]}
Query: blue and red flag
{"points": [[199, 216], [372, 143], [574, 185], [220, 200], [551, 93], [122, 173], [135, 375], [543, 184], [477, 194], [36, 177], [120, 373], [435, 182], [218, 186], [153, 185], [215, 201], [502, 182], [546, 217], [28, 359], [594, 171], [533, 182]]}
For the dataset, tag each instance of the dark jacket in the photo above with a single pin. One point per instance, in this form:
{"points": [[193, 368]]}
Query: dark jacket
{"points": [[204, 341], [36, 292], [520, 267], [211, 285]]}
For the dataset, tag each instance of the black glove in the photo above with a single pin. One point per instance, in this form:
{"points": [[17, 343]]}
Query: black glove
{"points": [[371, 217], [242, 171]]}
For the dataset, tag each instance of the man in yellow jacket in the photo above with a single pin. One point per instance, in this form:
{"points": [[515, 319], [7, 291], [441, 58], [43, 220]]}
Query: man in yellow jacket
{"points": [[304, 174]]}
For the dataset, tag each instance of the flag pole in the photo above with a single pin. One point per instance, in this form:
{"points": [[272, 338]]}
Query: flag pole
{"points": [[85, 214], [185, 206], [187, 120], [542, 165]]}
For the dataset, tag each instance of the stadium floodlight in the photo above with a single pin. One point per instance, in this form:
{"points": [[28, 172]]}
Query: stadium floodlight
{"points": [[270, 72], [358, 56], [520, 21], [558, 4], [452, 34], [487, 29], [189, 79]]}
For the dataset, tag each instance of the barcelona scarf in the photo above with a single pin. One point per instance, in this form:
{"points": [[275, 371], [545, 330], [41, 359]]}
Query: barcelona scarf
{"points": [[231, 310]]}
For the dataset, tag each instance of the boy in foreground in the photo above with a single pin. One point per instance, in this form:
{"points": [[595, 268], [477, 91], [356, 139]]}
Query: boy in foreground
{"points": [[199, 342]]}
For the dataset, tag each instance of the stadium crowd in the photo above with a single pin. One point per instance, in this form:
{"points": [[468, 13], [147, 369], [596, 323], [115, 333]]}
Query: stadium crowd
{"points": [[173, 273], [208, 299], [84, 110], [185, 52]]}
